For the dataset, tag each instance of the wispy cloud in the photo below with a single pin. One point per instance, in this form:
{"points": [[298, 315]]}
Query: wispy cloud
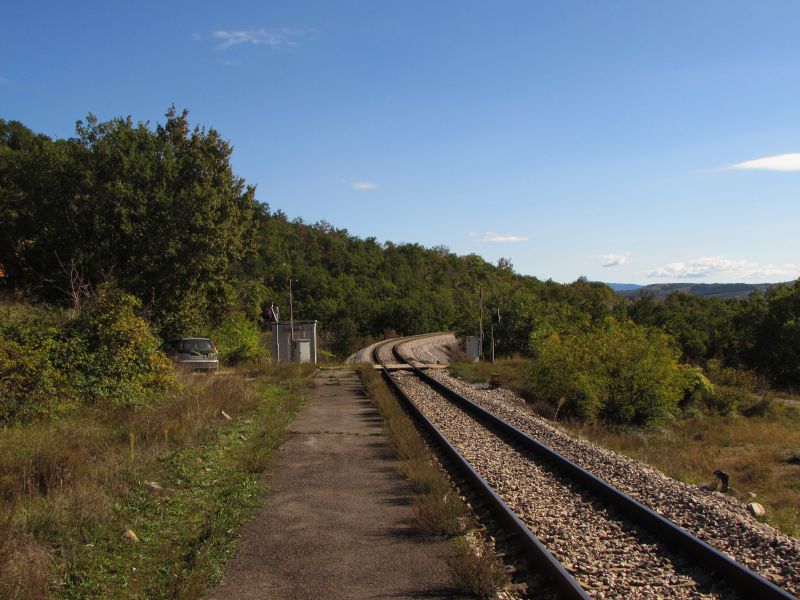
{"points": [[491, 236], [279, 39], [719, 265], [779, 162], [365, 185], [615, 260], [5, 81]]}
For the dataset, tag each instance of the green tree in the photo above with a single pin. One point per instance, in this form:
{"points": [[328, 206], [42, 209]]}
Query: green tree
{"points": [[777, 346], [110, 355], [158, 211], [619, 372]]}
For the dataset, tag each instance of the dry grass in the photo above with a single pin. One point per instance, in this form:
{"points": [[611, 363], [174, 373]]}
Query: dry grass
{"points": [[24, 566], [761, 454], [438, 510], [49, 458], [475, 565], [510, 370], [439, 515], [75, 483], [437, 507]]}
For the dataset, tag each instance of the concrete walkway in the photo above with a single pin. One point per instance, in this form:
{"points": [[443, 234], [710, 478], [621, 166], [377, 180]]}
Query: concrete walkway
{"points": [[338, 523]]}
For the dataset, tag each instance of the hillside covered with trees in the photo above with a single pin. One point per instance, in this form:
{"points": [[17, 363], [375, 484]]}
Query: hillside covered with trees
{"points": [[157, 214]]}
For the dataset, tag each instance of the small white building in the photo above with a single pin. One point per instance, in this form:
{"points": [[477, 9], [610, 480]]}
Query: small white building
{"points": [[298, 345], [473, 348]]}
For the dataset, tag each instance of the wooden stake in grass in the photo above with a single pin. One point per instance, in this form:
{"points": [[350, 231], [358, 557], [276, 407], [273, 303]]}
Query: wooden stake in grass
{"points": [[561, 402]]}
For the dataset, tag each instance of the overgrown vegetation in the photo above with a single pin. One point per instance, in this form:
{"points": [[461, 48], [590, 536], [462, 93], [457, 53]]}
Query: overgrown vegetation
{"points": [[618, 372], [159, 212], [177, 473], [476, 565], [438, 508], [105, 356], [760, 333]]}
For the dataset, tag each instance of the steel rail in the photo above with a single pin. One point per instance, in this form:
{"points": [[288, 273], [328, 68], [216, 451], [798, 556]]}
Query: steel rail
{"points": [[527, 539], [744, 581]]}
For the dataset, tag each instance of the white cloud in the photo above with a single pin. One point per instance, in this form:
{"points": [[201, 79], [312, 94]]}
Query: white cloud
{"points": [[779, 162], [491, 236], [719, 265], [614, 260], [5, 81], [274, 38], [365, 185]]}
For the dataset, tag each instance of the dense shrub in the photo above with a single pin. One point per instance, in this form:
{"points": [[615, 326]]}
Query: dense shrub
{"points": [[618, 372], [111, 353], [342, 337], [777, 348], [731, 377], [237, 339], [106, 355], [29, 385], [735, 388], [698, 391]]}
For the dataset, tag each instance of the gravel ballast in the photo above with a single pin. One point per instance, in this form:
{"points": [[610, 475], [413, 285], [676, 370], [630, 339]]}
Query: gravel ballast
{"points": [[719, 520], [621, 562]]}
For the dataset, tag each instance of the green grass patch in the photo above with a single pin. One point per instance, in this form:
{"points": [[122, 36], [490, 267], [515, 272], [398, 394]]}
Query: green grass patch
{"points": [[70, 489]]}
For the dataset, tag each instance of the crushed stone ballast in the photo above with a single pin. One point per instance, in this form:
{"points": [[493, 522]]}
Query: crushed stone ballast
{"points": [[625, 538]]}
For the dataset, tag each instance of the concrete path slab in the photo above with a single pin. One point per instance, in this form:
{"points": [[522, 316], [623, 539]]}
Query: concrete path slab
{"points": [[339, 523]]}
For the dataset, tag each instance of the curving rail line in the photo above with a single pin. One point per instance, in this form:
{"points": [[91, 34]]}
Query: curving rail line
{"points": [[743, 581]]}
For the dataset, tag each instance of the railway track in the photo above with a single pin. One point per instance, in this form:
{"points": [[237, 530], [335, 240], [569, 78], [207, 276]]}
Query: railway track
{"points": [[592, 539]]}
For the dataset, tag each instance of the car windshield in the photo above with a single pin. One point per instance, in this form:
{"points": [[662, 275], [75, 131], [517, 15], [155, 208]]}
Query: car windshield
{"points": [[197, 347]]}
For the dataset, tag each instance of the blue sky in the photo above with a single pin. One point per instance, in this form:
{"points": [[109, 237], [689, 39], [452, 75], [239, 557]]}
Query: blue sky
{"points": [[633, 141]]}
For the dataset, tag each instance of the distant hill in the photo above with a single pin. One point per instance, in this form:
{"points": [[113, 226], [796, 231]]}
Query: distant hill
{"points": [[624, 287], [708, 290]]}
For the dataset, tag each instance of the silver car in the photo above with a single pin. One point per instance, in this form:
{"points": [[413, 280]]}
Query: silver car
{"points": [[196, 354]]}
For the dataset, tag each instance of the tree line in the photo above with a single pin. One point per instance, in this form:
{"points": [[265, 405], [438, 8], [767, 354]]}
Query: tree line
{"points": [[157, 213]]}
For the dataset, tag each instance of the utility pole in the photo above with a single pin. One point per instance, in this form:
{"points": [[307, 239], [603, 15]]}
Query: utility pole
{"points": [[492, 329], [291, 320], [495, 319], [481, 320]]}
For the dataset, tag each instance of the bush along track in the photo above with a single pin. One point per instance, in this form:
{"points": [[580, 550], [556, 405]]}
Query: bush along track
{"points": [[438, 508], [143, 504]]}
